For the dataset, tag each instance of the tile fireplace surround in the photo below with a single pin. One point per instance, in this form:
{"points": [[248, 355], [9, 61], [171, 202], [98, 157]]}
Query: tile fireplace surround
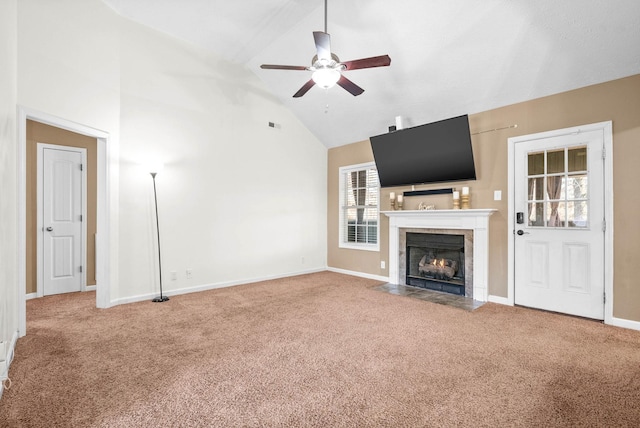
{"points": [[473, 224]]}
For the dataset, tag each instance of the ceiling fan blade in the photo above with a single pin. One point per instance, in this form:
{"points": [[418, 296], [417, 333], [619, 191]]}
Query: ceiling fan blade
{"points": [[375, 61], [323, 45], [283, 67], [305, 88], [351, 87]]}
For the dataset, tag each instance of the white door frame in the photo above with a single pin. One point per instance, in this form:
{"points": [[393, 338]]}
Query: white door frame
{"points": [[40, 215], [103, 244], [607, 133]]}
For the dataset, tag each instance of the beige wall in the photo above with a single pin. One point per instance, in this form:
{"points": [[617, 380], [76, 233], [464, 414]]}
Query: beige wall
{"points": [[618, 101], [41, 133]]}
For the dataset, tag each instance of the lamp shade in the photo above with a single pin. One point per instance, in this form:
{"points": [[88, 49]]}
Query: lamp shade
{"points": [[154, 167], [326, 77]]}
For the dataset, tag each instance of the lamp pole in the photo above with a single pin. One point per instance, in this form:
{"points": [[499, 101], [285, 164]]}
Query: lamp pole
{"points": [[161, 298]]}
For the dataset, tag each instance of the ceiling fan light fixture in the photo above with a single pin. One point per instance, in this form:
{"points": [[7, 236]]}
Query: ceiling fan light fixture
{"points": [[327, 68], [326, 77]]}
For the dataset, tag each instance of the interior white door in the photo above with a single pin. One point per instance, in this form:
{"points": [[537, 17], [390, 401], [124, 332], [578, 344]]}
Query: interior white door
{"points": [[62, 221], [559, 241]]}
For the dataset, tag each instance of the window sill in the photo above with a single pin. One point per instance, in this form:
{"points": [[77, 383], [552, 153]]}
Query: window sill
{"points": [[363, 247]]}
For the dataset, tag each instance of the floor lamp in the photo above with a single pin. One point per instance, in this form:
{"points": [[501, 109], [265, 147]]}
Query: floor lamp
{"points": [[154, 171]]}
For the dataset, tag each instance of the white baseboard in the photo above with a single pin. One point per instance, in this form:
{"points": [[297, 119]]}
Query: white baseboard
{"points": [[500, 300], [206, 287], [360, 274], [30, 296], [619, 322], [6, 359], [616, 322]]}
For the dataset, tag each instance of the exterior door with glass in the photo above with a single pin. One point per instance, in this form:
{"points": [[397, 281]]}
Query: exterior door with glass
{"points": [[559, 230]]}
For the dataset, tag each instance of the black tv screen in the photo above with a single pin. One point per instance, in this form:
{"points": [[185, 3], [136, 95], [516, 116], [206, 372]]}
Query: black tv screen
{"points": [[432, 153]]}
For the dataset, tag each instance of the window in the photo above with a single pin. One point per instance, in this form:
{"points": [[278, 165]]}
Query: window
{"points": [[359, 214], [558, 194]]}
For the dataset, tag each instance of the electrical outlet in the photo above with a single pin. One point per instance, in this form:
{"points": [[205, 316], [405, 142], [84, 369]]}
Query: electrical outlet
{"points": [[189, 273], [383, 265], [497, 195], [174, 275]]}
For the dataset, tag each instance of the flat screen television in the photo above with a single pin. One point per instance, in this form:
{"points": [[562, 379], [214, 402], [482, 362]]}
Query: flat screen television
{"points": [[432, 153]]}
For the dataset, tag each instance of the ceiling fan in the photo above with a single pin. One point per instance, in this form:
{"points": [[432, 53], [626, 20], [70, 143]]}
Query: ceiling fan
{"points": [[326, 66]]}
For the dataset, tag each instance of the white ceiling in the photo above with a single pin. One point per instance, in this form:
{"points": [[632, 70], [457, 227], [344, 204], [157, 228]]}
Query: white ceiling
{"points": [[448, 57]]}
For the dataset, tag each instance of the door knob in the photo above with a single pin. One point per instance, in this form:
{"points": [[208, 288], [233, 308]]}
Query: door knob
{"points": [[522, 232], [49, 229]]}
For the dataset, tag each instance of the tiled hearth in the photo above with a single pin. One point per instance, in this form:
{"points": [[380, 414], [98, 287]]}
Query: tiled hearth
{"points": [[460, 302], [473, 224]]}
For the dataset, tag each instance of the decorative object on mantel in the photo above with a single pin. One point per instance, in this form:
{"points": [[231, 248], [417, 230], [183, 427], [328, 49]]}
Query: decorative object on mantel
{"points": [[426, 207], [400, 201], [456, 200], [429, 192], [464, 198], [392, 200]]}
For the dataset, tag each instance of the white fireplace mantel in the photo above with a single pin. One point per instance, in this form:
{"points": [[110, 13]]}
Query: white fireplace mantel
{"points": [[476, 220]]}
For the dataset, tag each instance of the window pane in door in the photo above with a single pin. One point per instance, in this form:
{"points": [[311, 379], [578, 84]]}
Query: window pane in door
{"points": [[555, 187], [578, 214], [577, 186], [555, 161], [536, 189], [536, 163], [577, 159], [556, 214], [536, 214]]}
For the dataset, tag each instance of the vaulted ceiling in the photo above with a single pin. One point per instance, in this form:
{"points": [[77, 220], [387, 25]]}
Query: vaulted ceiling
{"points": [[448, 57]]}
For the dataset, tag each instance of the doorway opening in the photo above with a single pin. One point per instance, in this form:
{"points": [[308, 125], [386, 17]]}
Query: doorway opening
{"points": [[61, 210], [103, 206]]}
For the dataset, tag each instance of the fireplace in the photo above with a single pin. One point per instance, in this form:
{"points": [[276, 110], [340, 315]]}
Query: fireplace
{"points": [[436, 261], [473, 224]]}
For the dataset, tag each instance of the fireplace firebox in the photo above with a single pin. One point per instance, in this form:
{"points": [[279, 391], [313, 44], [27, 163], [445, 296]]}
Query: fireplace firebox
{"points": [[436, 262]]}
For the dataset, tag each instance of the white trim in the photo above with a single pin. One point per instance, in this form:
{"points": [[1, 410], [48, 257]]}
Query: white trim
{"points": [[40, 214], [359, 274], [30, 296], [607, 130], [499, 299], [206, 287], [103, 253], [619, 322], [8, 359], [341, 195]]}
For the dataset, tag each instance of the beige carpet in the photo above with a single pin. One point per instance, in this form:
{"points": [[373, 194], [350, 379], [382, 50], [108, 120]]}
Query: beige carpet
{"points": [[320, 350]]}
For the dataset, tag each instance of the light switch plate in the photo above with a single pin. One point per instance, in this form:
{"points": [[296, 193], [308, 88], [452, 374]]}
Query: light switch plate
{"points": [[497, 195]]}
